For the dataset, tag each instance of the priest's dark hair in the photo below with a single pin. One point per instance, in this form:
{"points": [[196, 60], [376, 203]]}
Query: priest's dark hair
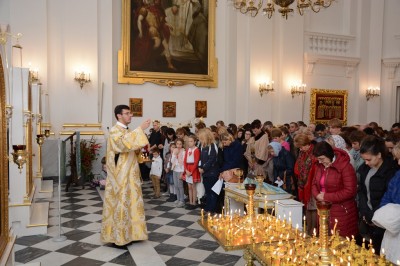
{"points": [[119, 108]]}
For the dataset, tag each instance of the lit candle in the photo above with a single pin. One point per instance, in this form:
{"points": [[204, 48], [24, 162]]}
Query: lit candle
{"points": [[265, 205], [304, 223], [334, 227], [382, 258], [202, 214]]}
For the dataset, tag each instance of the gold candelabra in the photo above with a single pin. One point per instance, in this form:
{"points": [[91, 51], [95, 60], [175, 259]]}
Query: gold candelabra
{"points": [[324, 251], [234, 231], [239, 172], [313, 250], [260, 180], [40, 140]]}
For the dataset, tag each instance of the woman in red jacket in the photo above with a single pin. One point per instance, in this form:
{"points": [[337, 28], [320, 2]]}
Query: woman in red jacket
{"points": [[191, 172], [335, 181]]}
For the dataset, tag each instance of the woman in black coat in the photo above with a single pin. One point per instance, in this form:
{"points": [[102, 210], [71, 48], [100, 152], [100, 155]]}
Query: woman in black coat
{"points": [[375, 174], [208, 167]]}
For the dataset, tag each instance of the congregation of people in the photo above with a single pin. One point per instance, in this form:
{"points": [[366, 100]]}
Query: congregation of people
{"points": [[354, 167]]}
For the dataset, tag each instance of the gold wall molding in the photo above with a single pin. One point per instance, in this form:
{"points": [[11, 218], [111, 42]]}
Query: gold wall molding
{"points": [[81, 125], [19, 204], [4, 228], [84, 133]]}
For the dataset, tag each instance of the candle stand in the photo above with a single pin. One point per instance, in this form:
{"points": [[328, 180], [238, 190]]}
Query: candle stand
{"points": [[322, 250]]}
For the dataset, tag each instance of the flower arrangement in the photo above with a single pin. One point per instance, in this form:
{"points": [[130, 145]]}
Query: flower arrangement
{"points": [[89, 153]]}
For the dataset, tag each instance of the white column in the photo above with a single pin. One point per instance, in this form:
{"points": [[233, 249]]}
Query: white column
{"points": [[17, 180]]}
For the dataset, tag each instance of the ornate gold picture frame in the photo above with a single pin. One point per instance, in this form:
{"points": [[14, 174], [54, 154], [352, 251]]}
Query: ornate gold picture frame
{"points": [[168, 44], [328, 104], [136, 105], [201, 108], [169, 109], [3, 165]]}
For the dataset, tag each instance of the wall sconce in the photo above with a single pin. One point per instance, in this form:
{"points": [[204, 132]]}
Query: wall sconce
{"points": [[82, 77], [265, 88], [372, 92], [47, 133], [20, 156], [298, 89], [34, 75]]}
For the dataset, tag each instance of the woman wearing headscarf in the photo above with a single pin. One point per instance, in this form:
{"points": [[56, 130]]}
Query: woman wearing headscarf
{"points": [[304, 170], [283, 166]]}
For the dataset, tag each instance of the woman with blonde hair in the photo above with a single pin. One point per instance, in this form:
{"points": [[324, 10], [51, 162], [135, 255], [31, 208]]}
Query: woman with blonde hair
{"points": [[232, 150], [191, 172], [208, 167]]}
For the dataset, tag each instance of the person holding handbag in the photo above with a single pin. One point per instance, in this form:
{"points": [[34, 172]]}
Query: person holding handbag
{"points": [[232, 151]]}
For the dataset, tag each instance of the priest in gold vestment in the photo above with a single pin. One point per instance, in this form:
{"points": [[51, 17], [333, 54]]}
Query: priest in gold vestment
{"points": [[123, 209]]}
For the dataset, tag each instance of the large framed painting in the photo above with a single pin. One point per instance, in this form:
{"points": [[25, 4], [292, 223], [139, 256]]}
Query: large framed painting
{"points": [[168, 42], [169, 109], [328, 104], [136, 105]]}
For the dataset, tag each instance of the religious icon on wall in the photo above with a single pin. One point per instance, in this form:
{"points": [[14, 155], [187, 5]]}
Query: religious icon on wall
{"points": [[328, 104], [169, 109], [201, 109], [136, 105]]}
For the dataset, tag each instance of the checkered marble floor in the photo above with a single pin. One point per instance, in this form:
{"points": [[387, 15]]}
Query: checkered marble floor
{"points": [[175, 238]]}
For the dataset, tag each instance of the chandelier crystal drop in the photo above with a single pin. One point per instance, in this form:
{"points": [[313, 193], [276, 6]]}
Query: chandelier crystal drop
{"points": [[252, 7]]}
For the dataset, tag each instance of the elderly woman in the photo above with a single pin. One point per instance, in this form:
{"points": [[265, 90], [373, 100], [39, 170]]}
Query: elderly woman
{"points": [[304, 170], [283, 166], [335, 181]]}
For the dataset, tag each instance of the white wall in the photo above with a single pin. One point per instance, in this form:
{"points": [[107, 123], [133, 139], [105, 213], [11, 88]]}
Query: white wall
{"points": [[59, 36]]}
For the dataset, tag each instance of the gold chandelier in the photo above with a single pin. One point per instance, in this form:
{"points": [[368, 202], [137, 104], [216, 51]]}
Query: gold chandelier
{"points": [[252, 8]]}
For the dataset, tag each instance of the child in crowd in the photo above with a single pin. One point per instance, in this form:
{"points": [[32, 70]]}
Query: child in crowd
{"points": [[191, 174], [177, 159], [156, 171], [169, 174], [103, 174]]}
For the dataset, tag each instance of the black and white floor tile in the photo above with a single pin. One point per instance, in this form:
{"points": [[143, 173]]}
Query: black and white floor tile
{"points": [[175, 238]]}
